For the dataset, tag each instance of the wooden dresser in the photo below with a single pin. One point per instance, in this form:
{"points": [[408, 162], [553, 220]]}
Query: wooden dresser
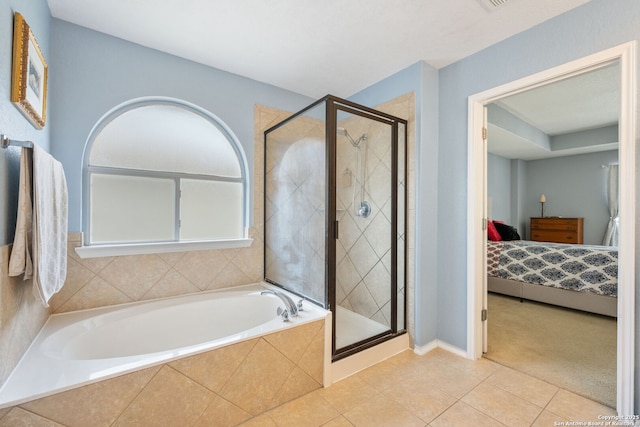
{"points": [[558, 230]]}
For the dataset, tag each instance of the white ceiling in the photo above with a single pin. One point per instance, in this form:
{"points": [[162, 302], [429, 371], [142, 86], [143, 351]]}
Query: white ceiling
{"points": [[339, 47], [586, 101], [312, 47]]}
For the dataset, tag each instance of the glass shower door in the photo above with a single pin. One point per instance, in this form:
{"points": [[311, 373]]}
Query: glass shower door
{"points": [[367, 223], [335, 217], [295, 196]]}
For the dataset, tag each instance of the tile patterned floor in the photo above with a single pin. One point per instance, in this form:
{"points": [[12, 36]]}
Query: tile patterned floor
{"points": [[437, 389]]}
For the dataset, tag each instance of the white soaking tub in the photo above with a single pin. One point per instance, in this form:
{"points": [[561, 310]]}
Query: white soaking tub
{"points": [[82, 347]]}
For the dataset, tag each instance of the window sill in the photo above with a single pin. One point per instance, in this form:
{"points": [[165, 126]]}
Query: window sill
{"points": [[98, 251]]}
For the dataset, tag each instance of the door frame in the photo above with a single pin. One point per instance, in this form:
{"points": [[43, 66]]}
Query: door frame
{"points": [[476, 225]]}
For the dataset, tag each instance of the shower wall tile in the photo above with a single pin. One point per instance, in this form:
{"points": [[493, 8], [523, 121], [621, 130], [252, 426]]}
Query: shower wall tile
{"points": [[349, 231], [357, 290], [377, 234], [362, 301], [363, 256], [347, 276], [377, 283]]}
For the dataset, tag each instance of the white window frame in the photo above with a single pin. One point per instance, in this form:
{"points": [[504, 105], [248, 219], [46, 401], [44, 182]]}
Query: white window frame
{"points": [[94, 250]]}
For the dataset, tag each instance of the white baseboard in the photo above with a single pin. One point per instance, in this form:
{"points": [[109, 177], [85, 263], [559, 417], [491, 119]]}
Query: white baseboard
{"points": [[424, 349]]}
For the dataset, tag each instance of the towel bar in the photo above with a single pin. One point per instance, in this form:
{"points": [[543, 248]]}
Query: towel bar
{"points": [[6, 142]]}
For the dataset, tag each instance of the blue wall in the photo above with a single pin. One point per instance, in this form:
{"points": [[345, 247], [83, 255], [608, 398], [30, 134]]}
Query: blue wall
{"points": [[421, 79], [95, 72], [499, 181], [12, 122], [575, 186], [595, 26]]}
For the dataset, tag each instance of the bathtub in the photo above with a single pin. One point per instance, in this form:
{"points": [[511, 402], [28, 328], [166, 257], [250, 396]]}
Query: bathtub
{"points": [[78, 348]]}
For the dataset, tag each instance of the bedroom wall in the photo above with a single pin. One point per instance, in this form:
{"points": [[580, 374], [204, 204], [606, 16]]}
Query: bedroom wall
{"points": [[575, 186], [499, 188], [518, 181], [595, 26]]}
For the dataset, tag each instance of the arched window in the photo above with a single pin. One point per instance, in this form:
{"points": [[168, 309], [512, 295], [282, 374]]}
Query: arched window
{"points": [[163, 175]]}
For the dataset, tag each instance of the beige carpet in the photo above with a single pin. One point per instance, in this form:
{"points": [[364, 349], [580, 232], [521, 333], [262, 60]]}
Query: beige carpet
{"points": [[567, 348]]}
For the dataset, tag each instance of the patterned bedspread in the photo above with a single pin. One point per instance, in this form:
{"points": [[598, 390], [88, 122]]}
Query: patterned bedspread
{"points": [[576, 267]]}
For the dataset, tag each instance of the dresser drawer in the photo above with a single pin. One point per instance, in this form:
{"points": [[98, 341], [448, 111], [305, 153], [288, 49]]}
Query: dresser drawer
{"points": [[556, 225], [554, 236], [558, 230]]}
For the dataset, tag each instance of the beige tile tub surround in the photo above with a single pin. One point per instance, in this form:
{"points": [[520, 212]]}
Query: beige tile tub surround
{"points": [[97, 282], [221, 387]]}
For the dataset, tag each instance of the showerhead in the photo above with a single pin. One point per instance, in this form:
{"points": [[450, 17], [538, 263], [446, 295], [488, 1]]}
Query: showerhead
{"points": [[356, 143]]}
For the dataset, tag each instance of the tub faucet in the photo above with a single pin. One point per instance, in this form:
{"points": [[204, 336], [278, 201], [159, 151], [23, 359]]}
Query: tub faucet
{"points": [[291, 307]]}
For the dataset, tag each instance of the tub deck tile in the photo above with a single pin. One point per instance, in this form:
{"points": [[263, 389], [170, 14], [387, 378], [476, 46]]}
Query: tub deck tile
{"points": [[222, 413], [20, 417], [94, 404], [213, 369], [257, 381], [170, 398]]}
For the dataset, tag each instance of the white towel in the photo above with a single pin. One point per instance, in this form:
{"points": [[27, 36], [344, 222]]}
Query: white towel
{"points": [[49, 225], [20, 260]]}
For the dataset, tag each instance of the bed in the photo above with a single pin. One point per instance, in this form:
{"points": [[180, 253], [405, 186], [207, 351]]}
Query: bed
{"points": [[580, 277]]}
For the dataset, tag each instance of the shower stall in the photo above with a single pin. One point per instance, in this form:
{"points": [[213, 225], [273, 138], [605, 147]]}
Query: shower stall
{"points": [[335, 217]]}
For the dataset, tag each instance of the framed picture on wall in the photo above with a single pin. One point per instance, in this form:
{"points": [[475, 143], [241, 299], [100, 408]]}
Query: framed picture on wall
{"points": [[29, 74]]}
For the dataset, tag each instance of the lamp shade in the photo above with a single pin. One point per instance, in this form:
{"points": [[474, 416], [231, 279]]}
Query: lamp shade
{"points": [[543, 199]]}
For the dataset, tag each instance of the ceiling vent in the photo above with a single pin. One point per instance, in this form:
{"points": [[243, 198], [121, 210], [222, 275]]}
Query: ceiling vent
{"points": [[491, 5]]}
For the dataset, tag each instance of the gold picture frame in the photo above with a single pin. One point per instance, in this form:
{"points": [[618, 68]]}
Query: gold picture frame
{"points": [[29, 74]]}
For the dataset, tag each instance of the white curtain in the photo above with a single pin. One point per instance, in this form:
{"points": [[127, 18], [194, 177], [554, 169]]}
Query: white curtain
{"points": [[611, 235]]}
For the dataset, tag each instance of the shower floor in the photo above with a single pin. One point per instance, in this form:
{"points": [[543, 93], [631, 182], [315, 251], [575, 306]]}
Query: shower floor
{"points": [[352, 327]]}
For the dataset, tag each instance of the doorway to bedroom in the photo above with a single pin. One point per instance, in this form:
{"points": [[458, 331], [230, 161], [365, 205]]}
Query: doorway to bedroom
{"points": [[495, 169], [552, 290]]}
